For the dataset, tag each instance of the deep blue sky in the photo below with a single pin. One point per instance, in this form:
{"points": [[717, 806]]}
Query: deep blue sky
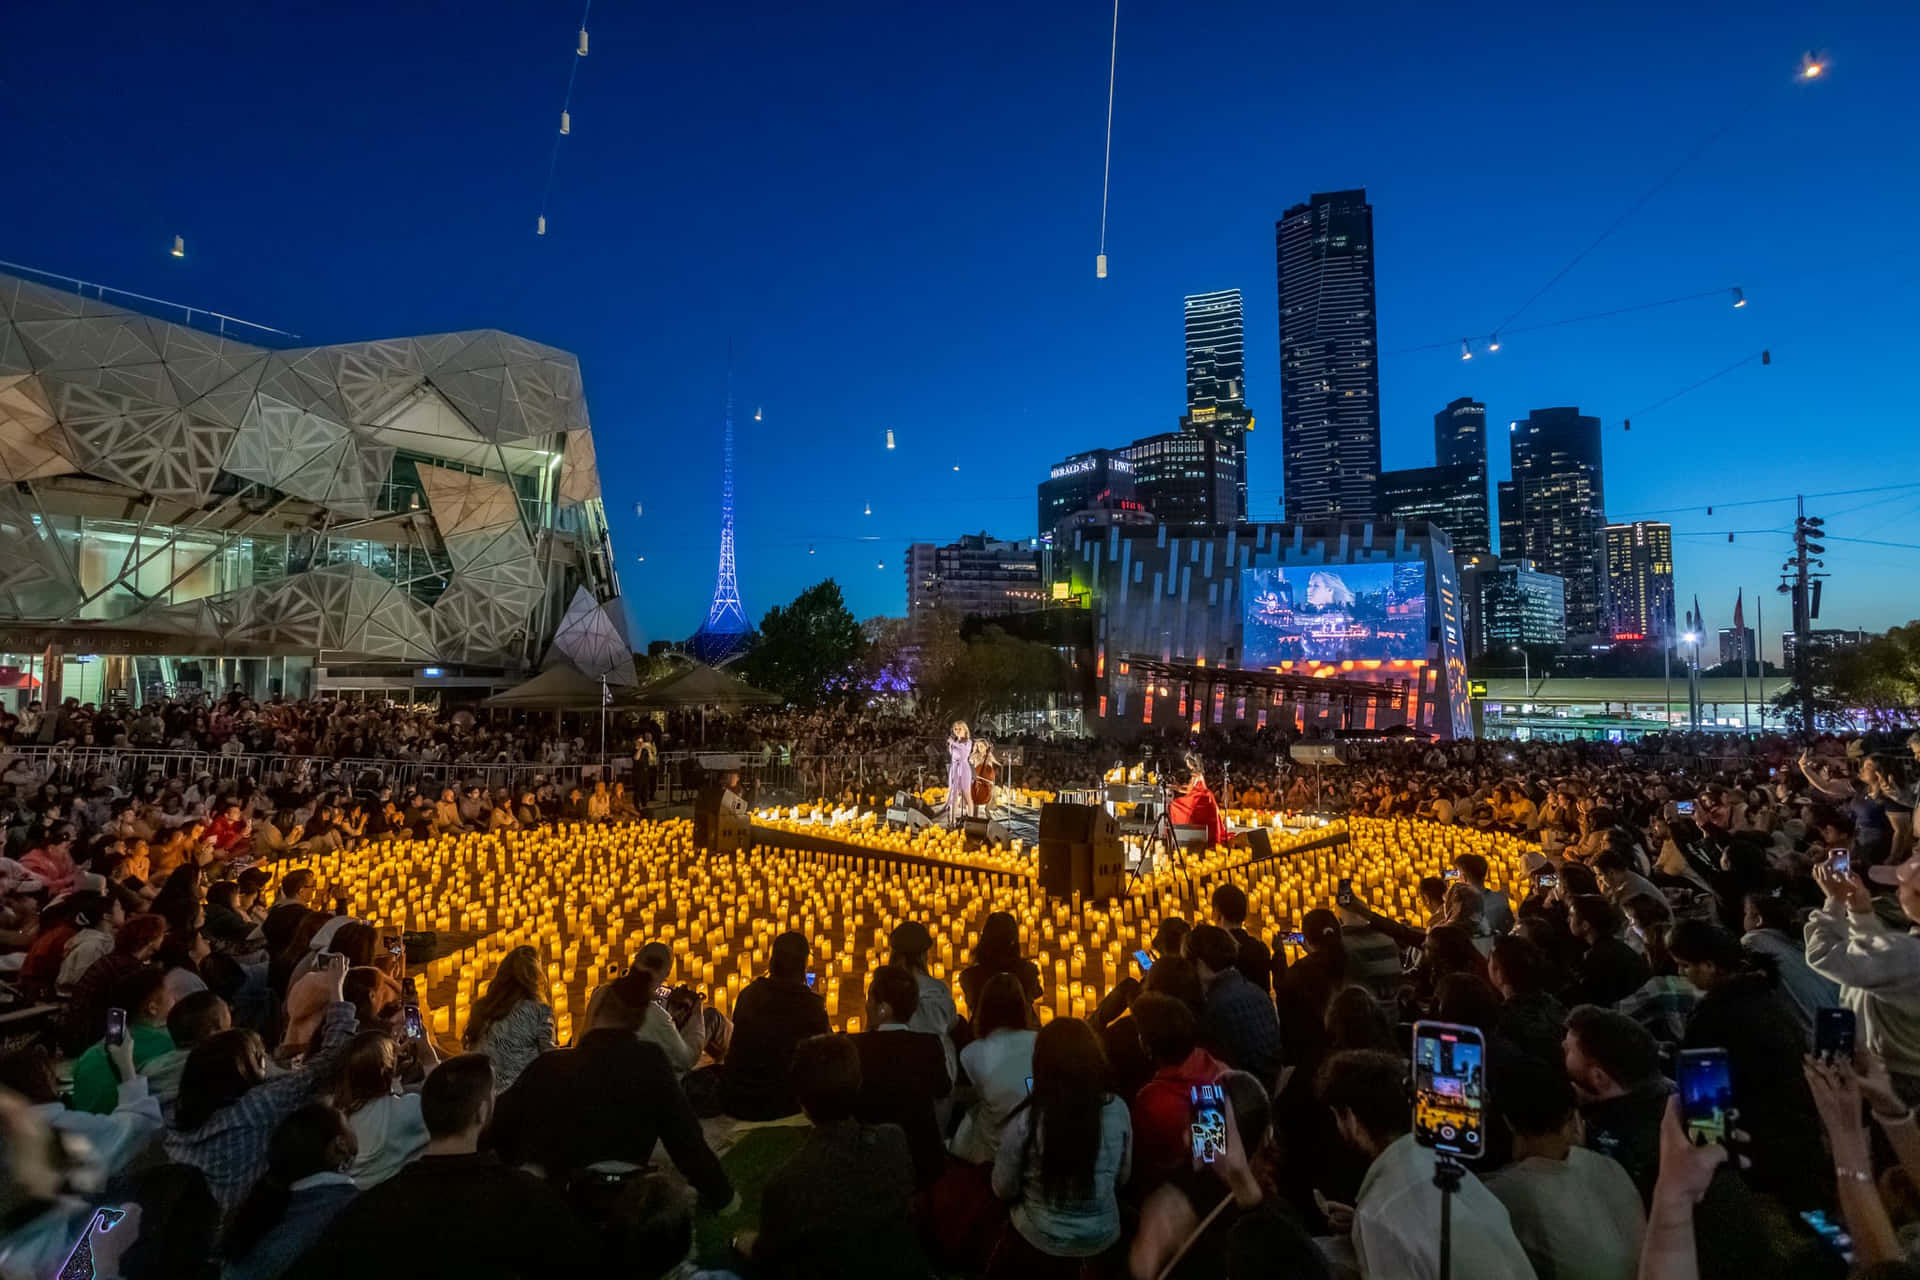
{"points": [[893, 209]]}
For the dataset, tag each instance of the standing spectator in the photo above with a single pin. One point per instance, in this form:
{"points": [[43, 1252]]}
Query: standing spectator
{"points": [[998, 951], [1609, 969], [1876, 966], [902, 1073], [1393, 1217], [512, 1024], [1239, 1023], [1062, 1159], [1161, 1113], [229, 1107], [1496, 912], [909, 944], [1576, 1213], [1614, 1067], [1230, 913], [842, 1205], [998, 1062], [304, 1188], [1769, 931], [775, 1013], [467, 1213]]}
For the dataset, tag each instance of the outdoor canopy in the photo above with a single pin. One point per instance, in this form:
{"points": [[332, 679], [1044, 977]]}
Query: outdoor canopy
{"points": [[561, 688], [700, 686]]}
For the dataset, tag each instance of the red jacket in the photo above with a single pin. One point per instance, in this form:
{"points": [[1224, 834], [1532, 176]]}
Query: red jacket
{"points": [[1163, 1118], [1198, 808]]}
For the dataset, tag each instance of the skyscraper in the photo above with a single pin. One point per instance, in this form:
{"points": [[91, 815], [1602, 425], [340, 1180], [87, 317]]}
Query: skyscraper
{"points": [[1559, 509], [1640, 579], [1216, 351], [1453, 493], [1188, 476], [1329, 361]]}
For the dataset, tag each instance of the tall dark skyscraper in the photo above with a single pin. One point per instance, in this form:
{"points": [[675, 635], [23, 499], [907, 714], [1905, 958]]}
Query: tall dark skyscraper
{"points": [[1559, 510], [1329, 359], [1453, 493], [1216, 351]]}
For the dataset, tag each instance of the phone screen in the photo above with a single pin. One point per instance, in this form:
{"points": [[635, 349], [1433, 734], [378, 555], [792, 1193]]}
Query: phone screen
{"points": [[1831, 1233], [1706, 1095], [1451, 873], [812, 978], [1029, 1084], [414, 1027], [1449, 1087], [116, 1025], [1833, 1034], [1684, 808], [1840, 862], [1297, 938], [1344, 893], [1209, 1110], [1145, 959], [1548, 879]]}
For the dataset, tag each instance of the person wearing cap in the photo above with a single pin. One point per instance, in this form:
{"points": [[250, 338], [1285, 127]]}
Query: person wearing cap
{"points": [[1876, 964], [774, 1014], [936, 1014]]}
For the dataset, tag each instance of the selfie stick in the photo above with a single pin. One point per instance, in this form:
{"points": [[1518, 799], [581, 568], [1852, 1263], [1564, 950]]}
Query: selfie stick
{"points": [[1446, 1176]]}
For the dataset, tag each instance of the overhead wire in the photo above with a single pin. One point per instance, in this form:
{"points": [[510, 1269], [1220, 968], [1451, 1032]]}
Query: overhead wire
{"points": [[1106, 175], [566, 120], [1450, 343]]}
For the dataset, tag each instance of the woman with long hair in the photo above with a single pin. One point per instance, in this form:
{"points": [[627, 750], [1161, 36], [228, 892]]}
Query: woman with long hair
{"points": [[304, 1187], [512, 1024], [998, 951], [998, 1061], [1303, 990], [959, 774], [387, 1128], [1064, 1154]]}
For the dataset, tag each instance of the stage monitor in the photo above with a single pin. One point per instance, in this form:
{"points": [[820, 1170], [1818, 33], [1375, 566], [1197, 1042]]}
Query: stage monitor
{"points": [[1334, 612]]}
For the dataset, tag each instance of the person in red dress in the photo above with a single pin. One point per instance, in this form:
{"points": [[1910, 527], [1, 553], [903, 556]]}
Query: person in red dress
{"points": [[1196, 807]]}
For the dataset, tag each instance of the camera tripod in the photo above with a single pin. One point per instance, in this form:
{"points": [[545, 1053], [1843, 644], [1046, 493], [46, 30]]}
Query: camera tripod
{"points": [[1159, 840]]}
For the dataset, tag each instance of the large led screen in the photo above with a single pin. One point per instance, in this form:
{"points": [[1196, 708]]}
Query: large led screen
{"points": [[1333, 612]]}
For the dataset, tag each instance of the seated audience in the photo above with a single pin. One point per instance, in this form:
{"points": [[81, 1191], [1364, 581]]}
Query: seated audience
{"points": [[998, 951], [998, 1062], [903, 1075], [143, 995], [775, 1012], [1613, 1064], [1161, 1113], [512, 1024], [1239, 1022], [386, 1123], [303, 1190]]}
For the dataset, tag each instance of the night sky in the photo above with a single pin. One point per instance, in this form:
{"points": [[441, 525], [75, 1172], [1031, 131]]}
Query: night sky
{"points": [[892, 213]]}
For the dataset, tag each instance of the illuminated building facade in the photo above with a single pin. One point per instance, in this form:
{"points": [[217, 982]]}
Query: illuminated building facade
{"points": [[1189, 477], [978, 575], [1521, 605], [1558, 505], [186, 512], [1098, 478], [1640, 580], [1216, 351], [1329, 358], [1378, 603]]}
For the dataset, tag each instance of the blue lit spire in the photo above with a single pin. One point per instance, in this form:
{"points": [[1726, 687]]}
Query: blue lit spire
{"points": [[724, 635]]}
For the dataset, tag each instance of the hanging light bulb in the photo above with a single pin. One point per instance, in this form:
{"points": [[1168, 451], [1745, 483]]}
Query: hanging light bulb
{"points": [[566, 122], [956, 466], [638, 510], [1466, 352], [756, 413], [583, 42], [869, 508], [1729, 537], [1739, 298], [1628, 423], [1766, 357], [810, 548], [642, 559], [1709, 510], [1493, 342], [889, 437], [179, 246], [880, 564], [540, 227], [1100, 267], [1812, 67]]}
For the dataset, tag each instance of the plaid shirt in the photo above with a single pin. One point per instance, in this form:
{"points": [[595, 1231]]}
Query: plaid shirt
{"points": [[1662, 1005], [230, 1149]]}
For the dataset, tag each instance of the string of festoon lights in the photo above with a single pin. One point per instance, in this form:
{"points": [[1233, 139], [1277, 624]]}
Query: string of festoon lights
{"points": [[1106, 172], [566, 118]]}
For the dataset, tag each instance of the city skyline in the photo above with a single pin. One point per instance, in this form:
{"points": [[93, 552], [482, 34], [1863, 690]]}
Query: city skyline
{"points": [[1557, 503], [932, 272]]}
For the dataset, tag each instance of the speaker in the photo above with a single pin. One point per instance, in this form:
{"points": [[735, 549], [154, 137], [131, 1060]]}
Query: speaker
{"points": [[911, 819], [975, 828], [1256, 841], [1079, 851], [716, 830]]}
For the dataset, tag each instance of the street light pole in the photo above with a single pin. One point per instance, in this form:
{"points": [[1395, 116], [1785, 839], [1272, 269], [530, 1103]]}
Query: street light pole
{"points": [[1526, 670]]}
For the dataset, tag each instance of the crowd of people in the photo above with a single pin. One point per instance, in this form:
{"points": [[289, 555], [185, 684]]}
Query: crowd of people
{"points": [[229, 1074]]}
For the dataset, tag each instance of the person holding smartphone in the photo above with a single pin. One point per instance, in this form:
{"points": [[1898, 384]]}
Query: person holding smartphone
{"points": [[1877, 966]]}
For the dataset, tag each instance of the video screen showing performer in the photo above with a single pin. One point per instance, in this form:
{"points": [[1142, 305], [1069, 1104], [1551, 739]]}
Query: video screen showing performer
{"points": [[1333, 613]]}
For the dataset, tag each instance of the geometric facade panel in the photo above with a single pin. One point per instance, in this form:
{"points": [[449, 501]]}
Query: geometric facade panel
{"points": [[592, 639], [209, 439]]}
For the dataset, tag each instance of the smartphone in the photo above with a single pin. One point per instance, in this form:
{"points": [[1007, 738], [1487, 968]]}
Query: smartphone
{"points": [[1548, 879], [1831, 1233], [1773, 772], [1343, 894], [79, 1264], [1449, 1088], [116, 1026], [1208, 1107], [415, 1029], [1451, 873], [1029, 1084], [1833, 1034], [1840, 862], [812, 978], [1684, 808], [396, 945], [1297, 938], [1145, 960], [1706, 1095]]}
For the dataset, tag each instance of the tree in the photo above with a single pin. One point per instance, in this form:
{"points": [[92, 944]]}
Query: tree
{"points": [[809, 651], [990, 673]]}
